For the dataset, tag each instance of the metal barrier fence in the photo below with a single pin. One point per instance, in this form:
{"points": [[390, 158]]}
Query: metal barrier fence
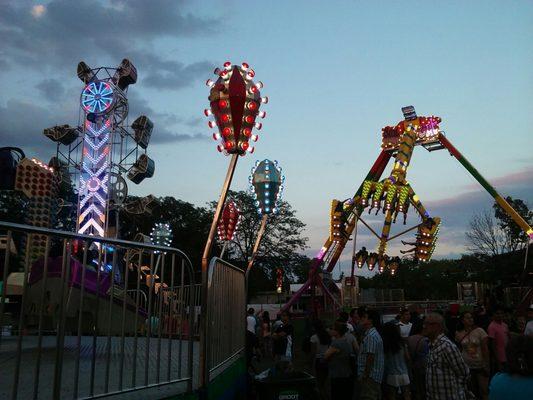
{"points": [[93, 317], [226, 304]]}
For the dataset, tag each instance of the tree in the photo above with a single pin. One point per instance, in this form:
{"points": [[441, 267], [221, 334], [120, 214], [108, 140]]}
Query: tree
{"points": [[280, 246], [494, 235], [189, 224], [485, 236], [515, 237]]}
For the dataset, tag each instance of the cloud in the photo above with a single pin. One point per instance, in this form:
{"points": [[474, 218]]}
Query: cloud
{"points": [[518, 178], [53, 37], [51, 89], [23, 124]]}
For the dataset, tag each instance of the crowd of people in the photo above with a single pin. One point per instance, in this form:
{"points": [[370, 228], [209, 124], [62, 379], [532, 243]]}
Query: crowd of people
{"points": [[438, 356]]}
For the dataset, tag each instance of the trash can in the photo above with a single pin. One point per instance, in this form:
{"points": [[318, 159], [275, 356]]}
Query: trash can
{"points": [[291, 386]]}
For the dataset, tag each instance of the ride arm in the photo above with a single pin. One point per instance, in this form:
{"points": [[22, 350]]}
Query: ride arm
{"points": [[373, 175], [487, 186]]}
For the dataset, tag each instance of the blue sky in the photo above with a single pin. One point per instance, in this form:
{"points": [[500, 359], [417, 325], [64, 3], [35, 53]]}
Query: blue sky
{"points": [[335, 73]]}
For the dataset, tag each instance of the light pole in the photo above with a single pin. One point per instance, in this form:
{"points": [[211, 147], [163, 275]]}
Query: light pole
{"points": [[234, 100], [228, 224], [267, 185]]}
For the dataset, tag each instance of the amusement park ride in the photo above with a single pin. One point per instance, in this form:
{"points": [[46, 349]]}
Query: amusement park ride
{"points": [[103, 149], [392, 195]]}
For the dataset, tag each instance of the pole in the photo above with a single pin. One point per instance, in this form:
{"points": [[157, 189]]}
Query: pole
{"points": [[257, 242], [223, 249], [204, 372], [517, 218], [354, 247]]}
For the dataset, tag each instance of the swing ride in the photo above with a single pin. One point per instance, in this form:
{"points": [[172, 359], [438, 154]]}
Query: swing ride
{"points": [[393, 196]]}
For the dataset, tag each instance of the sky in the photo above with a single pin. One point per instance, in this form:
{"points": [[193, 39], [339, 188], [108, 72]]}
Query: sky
{"points": [[335, 73]]}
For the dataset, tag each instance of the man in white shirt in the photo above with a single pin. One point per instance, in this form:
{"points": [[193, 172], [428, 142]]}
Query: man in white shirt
{"points": [[251, 337], [404, 323], [251, 322]]}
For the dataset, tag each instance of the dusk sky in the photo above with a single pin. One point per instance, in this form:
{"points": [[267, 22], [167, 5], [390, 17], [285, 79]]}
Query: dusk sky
{"points": [[335, 73]]}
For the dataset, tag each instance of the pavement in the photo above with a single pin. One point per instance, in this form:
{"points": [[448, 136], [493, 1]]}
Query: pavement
{"points": [[148, 366]]}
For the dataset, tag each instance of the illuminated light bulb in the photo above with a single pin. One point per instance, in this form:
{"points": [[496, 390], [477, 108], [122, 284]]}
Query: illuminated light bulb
{"points": [[262, 114], [228, 145], [249, 119], [208, 112], [259, 85], [253, 90], [226, 131], [258, 125], [244, 145], [216, 136], [245, 66], [252, 105], [212, 124], [225, 117], [247, 132], [220, 148], [250, 74], [227, 65], [264, 100], [222, 103], [254, 138]]}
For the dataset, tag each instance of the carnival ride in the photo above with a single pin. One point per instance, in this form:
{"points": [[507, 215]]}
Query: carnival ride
{"points": [[103, 148], [393, 195]]}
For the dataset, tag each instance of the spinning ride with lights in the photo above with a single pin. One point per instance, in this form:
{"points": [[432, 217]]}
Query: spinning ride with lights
{"points": [[267, 187], [235, 101], [393, 196], [104, 148]]}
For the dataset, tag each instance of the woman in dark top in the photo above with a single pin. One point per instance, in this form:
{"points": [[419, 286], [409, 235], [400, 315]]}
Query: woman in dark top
{"points": [[320, 343], [338, 358]]}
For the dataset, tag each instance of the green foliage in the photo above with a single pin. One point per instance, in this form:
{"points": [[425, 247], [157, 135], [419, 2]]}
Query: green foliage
{"points": [[437, 279], [13, 206], [189, 224], [514, 235], [280, 246]]}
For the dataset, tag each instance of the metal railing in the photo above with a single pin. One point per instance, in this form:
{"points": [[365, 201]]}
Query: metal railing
{"points": [[226, 304], [94, 317]]}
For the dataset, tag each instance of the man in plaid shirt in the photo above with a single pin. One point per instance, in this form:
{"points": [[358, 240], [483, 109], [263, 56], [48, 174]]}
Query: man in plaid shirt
{"points": [[446, 372]]}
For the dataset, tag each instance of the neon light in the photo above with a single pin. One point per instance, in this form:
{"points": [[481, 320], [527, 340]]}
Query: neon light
{"points": [[97, 97]]}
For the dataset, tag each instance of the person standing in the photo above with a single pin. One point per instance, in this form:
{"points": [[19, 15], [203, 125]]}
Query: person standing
{"points": [[251, 337], [473, 342], [320, 342], [396, 374], [499, 334], [370, 361], [405, 323], [338, 358], [282, 339], [516, 383], [446, 371], [266, 334], [418, 346]]}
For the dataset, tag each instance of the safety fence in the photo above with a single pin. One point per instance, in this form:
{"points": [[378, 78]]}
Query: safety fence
{"points": [[88, 317], [225, 317]]}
